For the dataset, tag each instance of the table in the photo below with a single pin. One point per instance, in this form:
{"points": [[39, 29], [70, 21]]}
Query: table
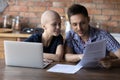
{"points": [[20, 73]]}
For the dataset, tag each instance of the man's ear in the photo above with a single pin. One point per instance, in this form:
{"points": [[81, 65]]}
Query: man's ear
{"points": [[88, 19]]}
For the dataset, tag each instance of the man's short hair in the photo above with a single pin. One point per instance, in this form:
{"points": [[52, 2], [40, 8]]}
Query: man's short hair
{"points": [[77, 9]]}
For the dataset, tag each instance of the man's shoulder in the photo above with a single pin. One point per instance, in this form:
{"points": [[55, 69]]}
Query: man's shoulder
{"points": [[71, 32], [98, 31]]}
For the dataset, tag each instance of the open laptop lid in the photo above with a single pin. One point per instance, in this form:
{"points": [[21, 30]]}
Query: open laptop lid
{"points": [[25, 54]]}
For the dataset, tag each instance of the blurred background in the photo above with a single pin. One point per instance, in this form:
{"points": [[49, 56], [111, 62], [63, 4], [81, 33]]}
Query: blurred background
{"points": [[104, 14]]}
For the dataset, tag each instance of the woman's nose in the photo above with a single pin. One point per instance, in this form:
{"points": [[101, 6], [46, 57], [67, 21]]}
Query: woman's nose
{"points": [[58, 26]]}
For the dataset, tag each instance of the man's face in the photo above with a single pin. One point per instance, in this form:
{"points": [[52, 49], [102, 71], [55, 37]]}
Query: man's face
{"points": [[80, 24]]}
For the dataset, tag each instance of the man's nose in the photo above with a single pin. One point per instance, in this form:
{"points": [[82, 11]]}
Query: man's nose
{"points": [[79, 26]]}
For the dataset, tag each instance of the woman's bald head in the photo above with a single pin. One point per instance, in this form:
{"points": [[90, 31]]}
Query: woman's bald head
{"points": [[49, 15]]}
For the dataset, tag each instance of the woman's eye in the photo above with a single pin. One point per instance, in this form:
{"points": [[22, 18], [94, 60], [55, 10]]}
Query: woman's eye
{"points": [[54, 24]]}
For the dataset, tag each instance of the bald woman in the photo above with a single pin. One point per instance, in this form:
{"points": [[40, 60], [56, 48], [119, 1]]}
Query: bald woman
{"points": [[51, 38]]}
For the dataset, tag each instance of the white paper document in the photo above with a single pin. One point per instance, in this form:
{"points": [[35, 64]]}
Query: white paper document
{"points": [[64, 68], [93, 53]]}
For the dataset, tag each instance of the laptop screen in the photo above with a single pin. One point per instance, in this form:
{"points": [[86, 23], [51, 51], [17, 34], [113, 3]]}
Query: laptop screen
{"points": [[26, 54]]}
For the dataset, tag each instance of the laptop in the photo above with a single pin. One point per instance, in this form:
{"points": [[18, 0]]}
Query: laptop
{"points": [[24, 54]]}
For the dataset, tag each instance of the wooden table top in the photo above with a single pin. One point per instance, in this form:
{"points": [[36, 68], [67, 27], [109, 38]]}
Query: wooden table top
{"points": [[20, 73]]}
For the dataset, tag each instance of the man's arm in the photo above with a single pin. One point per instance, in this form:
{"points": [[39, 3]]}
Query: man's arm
{"points": [[113, 60], [116, 62], [70, 56]]}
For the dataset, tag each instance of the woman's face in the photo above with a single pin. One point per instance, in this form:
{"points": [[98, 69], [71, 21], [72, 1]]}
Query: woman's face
{"points": [[80, 24], [53, 26]]}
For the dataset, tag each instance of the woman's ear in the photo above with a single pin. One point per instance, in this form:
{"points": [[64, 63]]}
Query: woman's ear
{"points": [[43, 26]]}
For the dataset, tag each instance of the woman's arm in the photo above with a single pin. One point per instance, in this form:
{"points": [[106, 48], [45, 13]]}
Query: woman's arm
{"points": [[58, 56]]}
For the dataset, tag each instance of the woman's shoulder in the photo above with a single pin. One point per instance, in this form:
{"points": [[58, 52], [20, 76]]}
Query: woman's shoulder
{"points": [[36, 35], [58, 38]]}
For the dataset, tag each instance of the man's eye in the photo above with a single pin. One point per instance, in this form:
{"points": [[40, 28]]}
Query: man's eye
{"points": [[83, 23], [59, 24], [74, 24]]}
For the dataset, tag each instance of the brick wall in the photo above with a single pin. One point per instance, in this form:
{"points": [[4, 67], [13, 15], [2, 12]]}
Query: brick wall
{"points": [[104, 12]]}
